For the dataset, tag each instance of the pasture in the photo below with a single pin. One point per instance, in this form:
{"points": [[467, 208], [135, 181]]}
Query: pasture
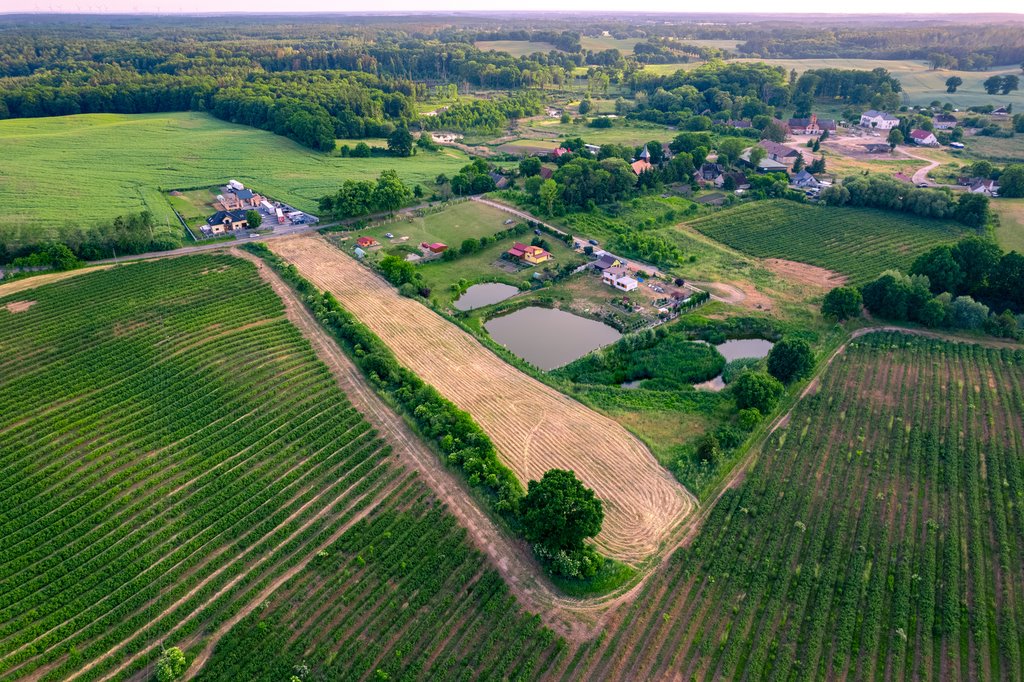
{"points": [[878, 536], [1010, 231], [534, 427], [106, 165], [450, 225], [516, 48], [602, 43], [857, 242]]}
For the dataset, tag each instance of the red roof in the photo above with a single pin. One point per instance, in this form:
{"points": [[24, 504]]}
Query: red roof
{"points": [[436, 247], [641, 166], [920, 134], [366, 241], [560, 152]]}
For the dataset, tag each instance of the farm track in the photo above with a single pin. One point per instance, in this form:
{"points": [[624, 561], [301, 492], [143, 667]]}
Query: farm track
{"points": [[534, 427]]}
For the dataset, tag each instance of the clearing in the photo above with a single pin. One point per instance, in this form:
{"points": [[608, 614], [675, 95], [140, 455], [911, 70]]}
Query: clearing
{"points": [[857, 242], [534, 427], [111, 164]]}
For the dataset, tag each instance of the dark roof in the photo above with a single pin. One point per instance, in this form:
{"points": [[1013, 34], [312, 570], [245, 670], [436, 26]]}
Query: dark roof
{"points": [[605, 261], [776, 149], [945, 118], [219, 217], [244, 194], [710, 171], [738, 178], [546, 172]]}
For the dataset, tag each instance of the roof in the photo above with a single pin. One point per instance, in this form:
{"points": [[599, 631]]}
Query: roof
{"points": [[645, 154], [519, 250], [919, 134], [617, 271], [605, 261], [366, 241], [776, 149], [561, 151], [884, 115], [220, 216], [737, 124], [805, 178], [945, 118], [244, 194], [738, 178], [641, 166], [984, 184], [877, 148], [546, 172]]}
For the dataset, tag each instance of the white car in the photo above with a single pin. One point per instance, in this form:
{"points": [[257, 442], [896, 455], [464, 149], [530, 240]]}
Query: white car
{"points": [[389, 235]]}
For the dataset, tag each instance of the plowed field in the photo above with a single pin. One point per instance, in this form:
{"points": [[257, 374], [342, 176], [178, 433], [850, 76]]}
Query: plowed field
{"points": [[534, 427]]}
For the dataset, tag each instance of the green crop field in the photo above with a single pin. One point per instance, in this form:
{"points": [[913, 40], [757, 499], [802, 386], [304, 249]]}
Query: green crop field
{"points": [[857, 242], [878, 536], [170, 447], [104, 165], [622, 132]]}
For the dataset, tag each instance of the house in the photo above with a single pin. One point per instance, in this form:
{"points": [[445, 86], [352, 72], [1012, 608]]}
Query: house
{"points": [[619, 279], [944, 121], [641, 166], [445, 138], [737, 180], [606, 261], [534, 255], [738, 124], [877, 148], [560, 152], [880, 120], [804, 180], [248, 199], [984, 186], [765, 165], [709, 172], [778, 152], [923, 137], [593, 148], [436, 247], [360, 254], [1001, 112], [810, 126], [366, 242], [227, 221], [500, 181], [546, 173]]}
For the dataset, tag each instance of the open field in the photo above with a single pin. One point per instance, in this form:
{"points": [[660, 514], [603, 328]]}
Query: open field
{"points": [[110, 164], [534, 427], [602, 43], [187, 460], [857, 242], [516, 48], [879, 536], [461, 220], [1010, 233], [209, 475], [622, 132]]}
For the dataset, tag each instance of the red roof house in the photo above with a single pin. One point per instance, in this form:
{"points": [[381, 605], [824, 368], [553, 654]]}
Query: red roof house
{"points": [[641, 166], [366, 242], [436, 247], [560, 152]]}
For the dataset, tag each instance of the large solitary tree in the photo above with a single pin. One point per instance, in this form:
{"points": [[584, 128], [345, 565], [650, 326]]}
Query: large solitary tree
{"points": [[953, 82], [790, 359], [400, 142], [559, 512]]}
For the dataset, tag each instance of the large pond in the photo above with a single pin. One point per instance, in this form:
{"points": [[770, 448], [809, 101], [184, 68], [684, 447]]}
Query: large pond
{"points": [[734, 350], [479, 295], [549, 338]]}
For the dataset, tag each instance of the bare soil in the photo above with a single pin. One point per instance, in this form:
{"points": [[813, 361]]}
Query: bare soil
{"points": [[803, 273], [19, 306]]}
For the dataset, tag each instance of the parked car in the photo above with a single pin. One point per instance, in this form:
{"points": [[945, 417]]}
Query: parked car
{"points": [[389, 235], [593, 242]]}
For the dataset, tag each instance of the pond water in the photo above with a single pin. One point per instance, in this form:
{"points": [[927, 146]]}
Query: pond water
{"points": [[548, 337], [480, 295], [734, 350]]}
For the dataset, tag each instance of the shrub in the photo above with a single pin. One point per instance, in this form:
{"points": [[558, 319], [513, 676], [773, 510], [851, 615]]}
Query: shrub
{"points": [[842, 303], [790, 360], [757, 390]]}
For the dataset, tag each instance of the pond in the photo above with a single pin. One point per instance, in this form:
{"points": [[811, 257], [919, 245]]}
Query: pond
{"points": [[548, 337], [736, 349], [480, 295]]}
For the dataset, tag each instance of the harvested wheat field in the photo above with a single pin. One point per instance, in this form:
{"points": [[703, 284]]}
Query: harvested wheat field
{"points": [[534, 427]]}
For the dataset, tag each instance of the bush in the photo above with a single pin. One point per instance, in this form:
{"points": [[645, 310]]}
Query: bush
{"points": [[171, 665], [757, 390], [842, 303], [790, 360]]}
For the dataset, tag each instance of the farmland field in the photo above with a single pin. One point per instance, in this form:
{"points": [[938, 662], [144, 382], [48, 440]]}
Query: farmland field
{"points": [[516, 48], [1010, 232], [534, 427], [461, 220], [112, 164], [602, 43], [198, 459], [878, 536], [857, 242]]}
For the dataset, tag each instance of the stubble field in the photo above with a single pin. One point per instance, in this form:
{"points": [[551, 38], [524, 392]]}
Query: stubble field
{"points": [[534, 427]]}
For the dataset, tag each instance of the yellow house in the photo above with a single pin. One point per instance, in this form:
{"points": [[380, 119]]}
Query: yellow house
{"points": [[534, 255]]}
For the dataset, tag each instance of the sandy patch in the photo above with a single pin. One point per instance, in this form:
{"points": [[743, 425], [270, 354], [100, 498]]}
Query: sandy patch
{"points": [[19, 306], [803, 273]]}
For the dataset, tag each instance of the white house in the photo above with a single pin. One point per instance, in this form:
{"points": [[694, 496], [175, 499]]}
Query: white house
{"points": [[880, 120], [984, 186], [616, 277], [923, 137], [944, 121]]}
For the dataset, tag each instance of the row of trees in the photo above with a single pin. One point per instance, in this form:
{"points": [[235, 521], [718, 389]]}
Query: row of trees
{"points": [[364, 197], [879, 191]]}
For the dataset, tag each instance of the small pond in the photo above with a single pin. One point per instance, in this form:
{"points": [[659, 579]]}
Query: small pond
{"points": [[480, 295], [734, 350], [548, 337]]}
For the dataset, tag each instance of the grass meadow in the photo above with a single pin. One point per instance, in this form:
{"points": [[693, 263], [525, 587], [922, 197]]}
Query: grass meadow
{"points": [[90, 168]]}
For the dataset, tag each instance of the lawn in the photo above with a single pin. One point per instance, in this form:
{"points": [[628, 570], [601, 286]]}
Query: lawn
{"points": [[1010, 232], [105, 165], [193, 205], [858, 242]]}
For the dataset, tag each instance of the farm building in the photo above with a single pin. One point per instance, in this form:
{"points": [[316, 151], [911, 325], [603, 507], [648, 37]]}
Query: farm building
{"points": [[778, 152], [880, 120], [534, 255], [366, 242], [227, 221], [618, 278], [435, 247], [737, 179], [923, 137], [500, 181], [235, 185], [593, 148]]}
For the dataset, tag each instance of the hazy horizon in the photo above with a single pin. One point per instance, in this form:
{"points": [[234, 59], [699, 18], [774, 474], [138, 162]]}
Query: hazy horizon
{"points": [[937, 9]]}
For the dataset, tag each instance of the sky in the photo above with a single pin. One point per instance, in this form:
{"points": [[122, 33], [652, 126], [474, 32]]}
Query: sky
{"points": [[934, 8]]}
